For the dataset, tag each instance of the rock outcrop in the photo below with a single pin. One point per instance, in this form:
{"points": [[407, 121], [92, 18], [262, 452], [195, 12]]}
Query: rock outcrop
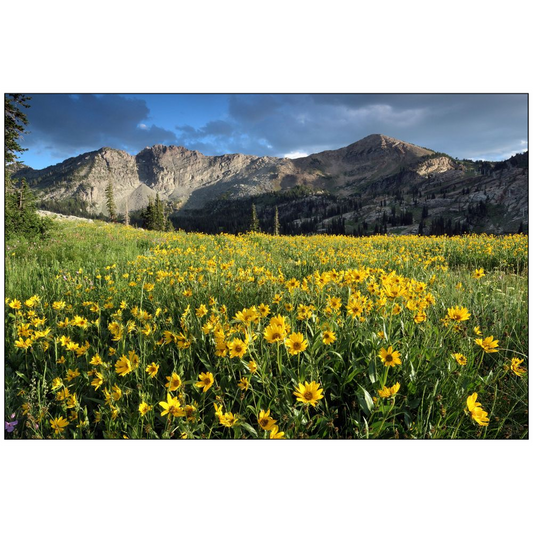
{"points": [[371, 170], [189, 179]]}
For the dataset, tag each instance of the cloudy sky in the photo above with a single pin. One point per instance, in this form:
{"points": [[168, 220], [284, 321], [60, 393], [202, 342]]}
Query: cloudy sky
{"points": [[473, 126]]}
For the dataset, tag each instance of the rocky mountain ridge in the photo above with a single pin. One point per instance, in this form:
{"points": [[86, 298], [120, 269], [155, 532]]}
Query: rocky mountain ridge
{"points": [[189, 179], [377, 171]]}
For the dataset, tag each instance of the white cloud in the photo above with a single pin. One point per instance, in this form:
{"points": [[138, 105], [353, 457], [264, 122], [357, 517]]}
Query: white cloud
{"points": [[294, 155], [498, 154], [142, 126]]}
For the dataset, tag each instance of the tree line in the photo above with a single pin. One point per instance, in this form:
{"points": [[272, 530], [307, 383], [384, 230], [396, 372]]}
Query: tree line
{"points": [[20, 212]]}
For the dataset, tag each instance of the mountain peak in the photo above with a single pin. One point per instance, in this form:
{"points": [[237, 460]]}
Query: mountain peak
{"points": [[172, 151], [379, 145], [378, 139]]}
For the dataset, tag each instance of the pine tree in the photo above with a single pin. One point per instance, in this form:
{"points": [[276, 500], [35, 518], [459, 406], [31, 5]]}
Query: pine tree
{"points": [[254, 225], [148, 215], [110, 202], [159, 215], [276, 222], [168, 224], [155, 216], [127, 214], [15, 122], [20, 216]]}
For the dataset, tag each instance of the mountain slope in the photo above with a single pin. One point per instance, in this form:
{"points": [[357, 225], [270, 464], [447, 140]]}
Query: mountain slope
{"points": [[190, 179], [371, 157], [390, 182]]}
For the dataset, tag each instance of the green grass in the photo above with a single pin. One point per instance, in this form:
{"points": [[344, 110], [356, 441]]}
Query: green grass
{"points": [[150, 283]]}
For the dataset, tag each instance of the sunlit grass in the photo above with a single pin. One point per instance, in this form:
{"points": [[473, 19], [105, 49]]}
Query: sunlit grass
{"points": [[130, 333]]}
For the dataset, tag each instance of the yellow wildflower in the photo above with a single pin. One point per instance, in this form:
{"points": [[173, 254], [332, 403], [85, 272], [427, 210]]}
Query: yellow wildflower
{"points": [[295, 343], [123, 366], [58, 424], [174, 382], [244, 383], [488, 344], [144, 408], [388, 392], [458, 314], [265, 421], [479, 273], [152, 369], [275, 433], [476, 412], [460, 358], [516, 368], [328, 337], [390, 357], [206, 381], [309, 393], [237, 348]]}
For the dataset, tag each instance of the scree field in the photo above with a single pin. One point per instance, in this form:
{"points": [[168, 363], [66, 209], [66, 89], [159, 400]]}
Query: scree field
{"points": [[114, 332]]}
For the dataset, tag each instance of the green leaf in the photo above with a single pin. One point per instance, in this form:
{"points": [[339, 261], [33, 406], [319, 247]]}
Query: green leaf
{"points": [[414, 403], [22, 376], [412, 373], [350, 377], [338, 355], [372, 374], [249, 429], [96, 400], [365, 401]]}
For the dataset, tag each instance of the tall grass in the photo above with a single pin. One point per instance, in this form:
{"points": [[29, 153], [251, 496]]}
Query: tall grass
{"points": [[185, 301]]}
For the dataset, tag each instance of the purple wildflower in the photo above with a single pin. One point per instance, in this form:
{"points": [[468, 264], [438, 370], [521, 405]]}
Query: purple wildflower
{"points": [[10, 426]]}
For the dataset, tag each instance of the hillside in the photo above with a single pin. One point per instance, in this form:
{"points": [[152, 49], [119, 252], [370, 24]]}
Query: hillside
{"points": [[378, 184]]}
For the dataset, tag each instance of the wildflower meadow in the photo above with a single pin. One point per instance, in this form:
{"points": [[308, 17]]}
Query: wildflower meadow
{"points": [[114, 332]]}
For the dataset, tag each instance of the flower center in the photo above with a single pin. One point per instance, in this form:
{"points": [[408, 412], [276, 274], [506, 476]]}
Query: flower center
{"points": [[389, 358], [308, 395], [296, 346]]}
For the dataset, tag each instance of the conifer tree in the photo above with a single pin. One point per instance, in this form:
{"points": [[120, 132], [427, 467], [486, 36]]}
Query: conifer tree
{"points": [[159, 215], [254, 226], [168, 224], [155, 217], [148, 215], [20, 215], [15, 122], [276, 222], [127, 214], [110, 202]]}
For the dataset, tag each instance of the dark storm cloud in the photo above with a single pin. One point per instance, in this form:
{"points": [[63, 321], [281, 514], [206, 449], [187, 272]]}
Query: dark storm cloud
{"points": [[76, 123], [475, 126], [225, 136], [485, 126], [216, 128], [253, 109]]}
